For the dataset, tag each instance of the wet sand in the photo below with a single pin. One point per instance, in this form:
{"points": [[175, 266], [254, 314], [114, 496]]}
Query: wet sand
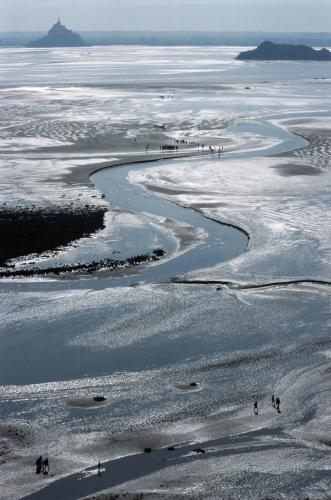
{"points": [[310, 160], [81, 174], [219, 425]]}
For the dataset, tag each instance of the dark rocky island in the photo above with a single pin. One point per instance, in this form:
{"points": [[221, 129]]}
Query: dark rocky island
{"points": [[269, 51], [59, 36]]}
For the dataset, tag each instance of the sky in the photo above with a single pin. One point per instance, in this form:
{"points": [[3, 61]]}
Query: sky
{"points": [[167, 15]]}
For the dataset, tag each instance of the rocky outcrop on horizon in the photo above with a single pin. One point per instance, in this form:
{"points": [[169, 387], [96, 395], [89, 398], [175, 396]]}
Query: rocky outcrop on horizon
{"points": [[59, 36], [269, 51]]}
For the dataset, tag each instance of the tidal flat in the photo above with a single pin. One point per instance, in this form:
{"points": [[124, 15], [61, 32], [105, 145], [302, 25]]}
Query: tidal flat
{"points": [[238, 304]]}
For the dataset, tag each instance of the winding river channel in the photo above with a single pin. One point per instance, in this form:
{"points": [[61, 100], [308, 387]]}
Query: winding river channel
{"points": [[222, 242]]}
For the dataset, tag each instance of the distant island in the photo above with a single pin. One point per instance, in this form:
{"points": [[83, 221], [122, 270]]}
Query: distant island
{"points": [[269, 51], [59, 36]]}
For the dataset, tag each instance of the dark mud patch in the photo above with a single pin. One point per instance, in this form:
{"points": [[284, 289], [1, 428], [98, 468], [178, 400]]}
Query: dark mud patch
{"points": [[99, 398], [25, 231], [292, 169]]}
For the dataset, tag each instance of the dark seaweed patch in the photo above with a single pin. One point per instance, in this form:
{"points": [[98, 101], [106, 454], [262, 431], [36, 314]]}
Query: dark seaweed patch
{"points": [[25, 231], [91, 267]]}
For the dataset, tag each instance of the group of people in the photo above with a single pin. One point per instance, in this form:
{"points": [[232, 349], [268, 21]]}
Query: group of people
{"points": [[275, 404], [171, 96], [42, 466], [170, 147]]}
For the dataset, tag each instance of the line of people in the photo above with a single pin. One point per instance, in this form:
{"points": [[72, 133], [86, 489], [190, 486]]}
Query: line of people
{"points": [[170, 147]]}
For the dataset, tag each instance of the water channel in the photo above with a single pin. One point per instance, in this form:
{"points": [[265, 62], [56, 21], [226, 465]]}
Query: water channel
{"points": [[222, 242]]}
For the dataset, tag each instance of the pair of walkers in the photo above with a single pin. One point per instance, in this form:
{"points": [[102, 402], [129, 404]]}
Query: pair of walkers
{"points": [[42, 465], [275, 403]]}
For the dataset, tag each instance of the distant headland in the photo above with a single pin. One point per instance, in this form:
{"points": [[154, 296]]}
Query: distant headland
{"points": [[59, 36], [269, 51]]}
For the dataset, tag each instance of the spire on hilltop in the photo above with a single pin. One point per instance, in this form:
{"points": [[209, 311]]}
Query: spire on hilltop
{"points": [[59, 36]]}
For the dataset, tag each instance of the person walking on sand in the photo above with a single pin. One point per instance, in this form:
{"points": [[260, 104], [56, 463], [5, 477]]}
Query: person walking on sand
{"points": [[277, 404], [45, 467], [99, 469], [273, 401], [256, 410], [38, 465]]}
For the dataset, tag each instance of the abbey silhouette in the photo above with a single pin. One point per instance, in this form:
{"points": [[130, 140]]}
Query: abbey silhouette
{"points": [[59, 36]]}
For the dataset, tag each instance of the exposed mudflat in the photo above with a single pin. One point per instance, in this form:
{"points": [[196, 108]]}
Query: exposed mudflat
{"points": [[242, 329]]}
